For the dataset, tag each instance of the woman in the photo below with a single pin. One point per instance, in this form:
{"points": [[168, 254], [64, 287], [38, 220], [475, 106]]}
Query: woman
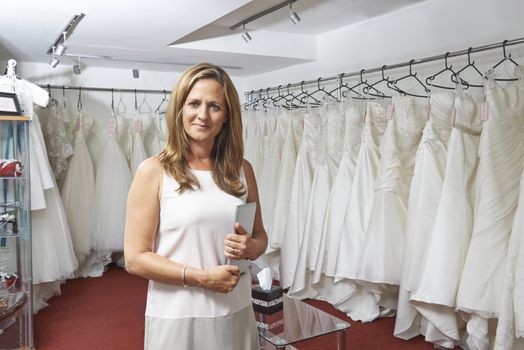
{"points": [[180, 218]]}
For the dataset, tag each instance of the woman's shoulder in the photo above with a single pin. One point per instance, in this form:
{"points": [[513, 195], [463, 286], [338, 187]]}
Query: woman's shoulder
{"points": [[150, 168], [246, 166], [248, 171]]}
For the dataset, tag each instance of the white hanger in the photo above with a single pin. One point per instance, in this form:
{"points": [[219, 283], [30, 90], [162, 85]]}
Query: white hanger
{"points": [[11, 72]]}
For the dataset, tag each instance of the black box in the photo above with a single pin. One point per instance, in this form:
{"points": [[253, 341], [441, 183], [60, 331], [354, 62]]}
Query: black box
{"points": [[267, 301]]}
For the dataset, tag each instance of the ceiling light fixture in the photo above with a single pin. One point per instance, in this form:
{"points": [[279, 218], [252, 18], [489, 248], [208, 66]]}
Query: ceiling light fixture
{"points": [[245, 35], [76, 68], [54, 61], [293, 16], [59, 46], [136, 71]]}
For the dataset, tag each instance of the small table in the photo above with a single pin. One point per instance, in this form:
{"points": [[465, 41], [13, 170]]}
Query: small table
{"points": [[300, 321]]}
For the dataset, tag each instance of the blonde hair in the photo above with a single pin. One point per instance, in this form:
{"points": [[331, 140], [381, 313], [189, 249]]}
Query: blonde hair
{"points": [[228, 149]]}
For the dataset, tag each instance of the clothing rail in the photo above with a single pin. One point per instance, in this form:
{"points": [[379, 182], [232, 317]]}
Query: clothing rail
{"points": [[339, 77], [88, 88]]}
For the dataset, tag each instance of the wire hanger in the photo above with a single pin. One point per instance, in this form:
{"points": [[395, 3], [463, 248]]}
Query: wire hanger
{"points": [[268, 99], [430, 79], [506, 58], [471, 64], [365, 84], [346, 86], [305, 94], [291, 99], [368, 89], [279, 97], [112, 102], [164, 99], [122, 105], [253, 101], [52, 100], [412, 76], [64, 96], [79, 103], [321, 89]]}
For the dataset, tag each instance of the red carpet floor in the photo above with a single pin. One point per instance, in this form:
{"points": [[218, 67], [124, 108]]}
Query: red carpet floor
{"points": [[107, 313]]}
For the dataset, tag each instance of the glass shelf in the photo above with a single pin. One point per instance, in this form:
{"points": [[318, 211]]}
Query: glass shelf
{"points": [[15, 204], [300, 321], [11, 303], [16, 314]]}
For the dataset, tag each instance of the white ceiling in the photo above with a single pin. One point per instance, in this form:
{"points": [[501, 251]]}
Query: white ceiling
{"points": [[198, 31]]}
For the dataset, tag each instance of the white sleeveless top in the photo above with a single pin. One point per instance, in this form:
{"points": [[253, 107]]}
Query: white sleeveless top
{"points": [[192, 229]]}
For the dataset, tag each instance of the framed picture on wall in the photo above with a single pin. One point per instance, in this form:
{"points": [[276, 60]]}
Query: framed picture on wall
{"points": [[9, 104]]}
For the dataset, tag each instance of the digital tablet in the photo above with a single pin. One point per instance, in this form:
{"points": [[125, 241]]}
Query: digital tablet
{"points": [[245, 216]]}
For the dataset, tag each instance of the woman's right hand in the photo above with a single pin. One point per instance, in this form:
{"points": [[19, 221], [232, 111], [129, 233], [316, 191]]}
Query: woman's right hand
{"points": [[222, 278]]}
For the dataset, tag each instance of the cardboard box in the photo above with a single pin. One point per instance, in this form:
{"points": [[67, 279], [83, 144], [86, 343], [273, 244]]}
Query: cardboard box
{"points": [[267, 301]]}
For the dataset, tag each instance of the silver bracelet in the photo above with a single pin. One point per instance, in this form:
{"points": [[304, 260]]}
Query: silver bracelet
{"points": [[184, 277]]}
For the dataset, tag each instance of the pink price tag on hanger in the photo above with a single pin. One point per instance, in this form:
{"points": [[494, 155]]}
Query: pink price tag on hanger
{"points": [[138, 126], [484, 111], [453, 116], [111, 127], [389, 112]]}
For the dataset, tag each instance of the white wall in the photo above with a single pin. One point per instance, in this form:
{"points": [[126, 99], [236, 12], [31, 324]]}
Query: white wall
{"points": [[429, 28]]}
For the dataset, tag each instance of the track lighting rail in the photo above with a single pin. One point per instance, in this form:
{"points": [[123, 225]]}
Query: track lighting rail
{"points": [[262, 14]]}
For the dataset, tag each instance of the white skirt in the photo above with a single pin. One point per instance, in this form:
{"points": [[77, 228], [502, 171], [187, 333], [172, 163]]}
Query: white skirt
{"points": [[237, 331]]}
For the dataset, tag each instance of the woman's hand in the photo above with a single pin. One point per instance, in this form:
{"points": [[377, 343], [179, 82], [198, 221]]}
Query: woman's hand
{"points": [[222, 278], [239, 245]]}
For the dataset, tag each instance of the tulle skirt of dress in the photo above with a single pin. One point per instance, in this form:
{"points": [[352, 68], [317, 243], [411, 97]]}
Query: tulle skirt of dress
{"points": [[77, 190], [113, 180]]}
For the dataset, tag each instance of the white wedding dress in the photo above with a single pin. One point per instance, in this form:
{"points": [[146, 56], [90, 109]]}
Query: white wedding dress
{"points": [[361, 304], [424, 197], [510, 328], [299, 198], [138, 153], [113, 179], [328, 154], [323, 279], [501, 153], [441, 268], [77, 191]]}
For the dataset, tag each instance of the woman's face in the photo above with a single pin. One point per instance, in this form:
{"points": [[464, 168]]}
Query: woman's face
{"points": [[204, 111]]}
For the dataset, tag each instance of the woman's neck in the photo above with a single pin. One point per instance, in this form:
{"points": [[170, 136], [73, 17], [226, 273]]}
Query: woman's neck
{"points": [[200, 157]]}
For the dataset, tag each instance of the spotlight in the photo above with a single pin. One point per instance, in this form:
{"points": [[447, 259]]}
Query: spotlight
{"points": [[54, 62], [247, 38], [293, 16], [61, 47], [136, 71], [76, 68]]}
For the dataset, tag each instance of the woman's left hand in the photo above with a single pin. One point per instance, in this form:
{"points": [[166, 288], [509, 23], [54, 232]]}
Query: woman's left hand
{"points": [[239, 245]]}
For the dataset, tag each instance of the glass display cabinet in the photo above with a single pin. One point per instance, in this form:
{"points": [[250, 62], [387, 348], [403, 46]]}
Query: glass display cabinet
{"points": [[16, 319]]}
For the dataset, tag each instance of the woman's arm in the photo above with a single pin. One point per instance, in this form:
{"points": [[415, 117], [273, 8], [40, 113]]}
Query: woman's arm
{"points": [[143, 211], [241, 246]]}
